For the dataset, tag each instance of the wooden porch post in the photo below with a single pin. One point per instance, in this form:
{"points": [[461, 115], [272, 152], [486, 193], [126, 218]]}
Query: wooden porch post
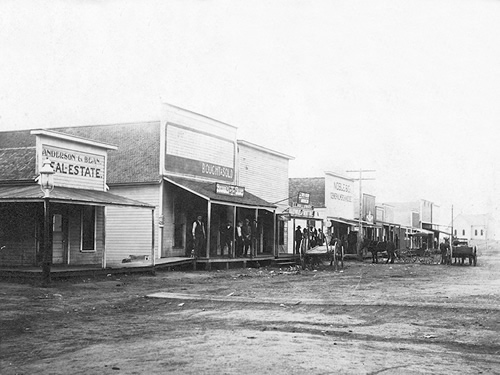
{"points": [[233, 250], [275, 235], [208, 227], [153, 237], [47, 243]]}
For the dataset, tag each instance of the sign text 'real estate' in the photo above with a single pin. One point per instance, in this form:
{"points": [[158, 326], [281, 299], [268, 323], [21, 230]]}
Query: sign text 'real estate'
{"points": [[74, 163]]}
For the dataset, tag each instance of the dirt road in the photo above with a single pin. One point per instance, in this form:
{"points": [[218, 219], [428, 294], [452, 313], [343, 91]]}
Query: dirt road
{"points": [[404, 318]]}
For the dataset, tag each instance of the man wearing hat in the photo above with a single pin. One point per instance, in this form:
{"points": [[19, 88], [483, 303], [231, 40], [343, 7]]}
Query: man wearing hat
{"points": [[298, 239], [199, 236]]}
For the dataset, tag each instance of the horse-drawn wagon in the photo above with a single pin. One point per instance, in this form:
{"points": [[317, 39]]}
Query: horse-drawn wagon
{"points": [[333, 252], [460, 250]]}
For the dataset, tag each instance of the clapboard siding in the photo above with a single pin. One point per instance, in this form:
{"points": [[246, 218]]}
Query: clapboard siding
{"points": [[128, 232], [129, 229], [76, 256], [263, 174]]}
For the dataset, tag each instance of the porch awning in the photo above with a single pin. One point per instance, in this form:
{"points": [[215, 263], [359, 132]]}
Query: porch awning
{"points": [[32, 193], [342, 220], [206, 190], [421, 232]]}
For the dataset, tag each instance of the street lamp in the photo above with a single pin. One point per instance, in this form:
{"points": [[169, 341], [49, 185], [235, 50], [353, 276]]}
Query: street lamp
{"points": [[46, 180]]}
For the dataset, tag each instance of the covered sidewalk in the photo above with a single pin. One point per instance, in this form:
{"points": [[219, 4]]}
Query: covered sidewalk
{"points": [[220, 204], [40, 233]]}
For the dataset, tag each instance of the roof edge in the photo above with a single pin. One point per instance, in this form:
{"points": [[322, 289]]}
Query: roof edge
{"points": [[67, 137]]}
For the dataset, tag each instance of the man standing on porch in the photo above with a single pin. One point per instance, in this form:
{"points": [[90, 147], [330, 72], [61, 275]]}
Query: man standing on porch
{"points": [[247, 238], [199, 236], [298, 239]]}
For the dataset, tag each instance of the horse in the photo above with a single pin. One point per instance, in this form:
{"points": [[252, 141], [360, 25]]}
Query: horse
{"points": [[376, 247]]}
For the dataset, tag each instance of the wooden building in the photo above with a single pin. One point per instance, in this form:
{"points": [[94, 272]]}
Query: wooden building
{"points": [[68, 224], [188, 165]]}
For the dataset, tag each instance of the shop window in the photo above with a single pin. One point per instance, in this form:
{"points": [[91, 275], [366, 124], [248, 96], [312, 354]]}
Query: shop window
{"points": [[88, 228]]}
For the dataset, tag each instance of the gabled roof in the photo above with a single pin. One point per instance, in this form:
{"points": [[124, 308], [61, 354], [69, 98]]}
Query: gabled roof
{"points": [[264, 149], [313, 185], [17, 156], [17, 138], [17, 164], [137, 158], [474, 219]]}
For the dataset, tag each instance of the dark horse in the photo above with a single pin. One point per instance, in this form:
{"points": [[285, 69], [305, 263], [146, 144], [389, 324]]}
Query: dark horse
{"points": [[376, 247]]}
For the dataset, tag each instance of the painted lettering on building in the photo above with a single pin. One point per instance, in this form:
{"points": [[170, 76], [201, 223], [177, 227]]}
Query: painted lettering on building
{"points": [[342, 193], [341, 197], [342, 187], [232, 190], [302, 212], [192, 152], [217, 170], [75, 163]]}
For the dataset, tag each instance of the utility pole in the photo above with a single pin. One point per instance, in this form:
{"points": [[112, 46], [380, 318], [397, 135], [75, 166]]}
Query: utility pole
{"points": [[360, 227], [451, 236]]}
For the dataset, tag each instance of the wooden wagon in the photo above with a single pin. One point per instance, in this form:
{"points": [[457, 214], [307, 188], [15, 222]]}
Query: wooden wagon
{"points": [[461, 250], [317, 255]]}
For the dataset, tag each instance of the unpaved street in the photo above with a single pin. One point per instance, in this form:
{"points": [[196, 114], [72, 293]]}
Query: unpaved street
{"points": [[404, 318]]}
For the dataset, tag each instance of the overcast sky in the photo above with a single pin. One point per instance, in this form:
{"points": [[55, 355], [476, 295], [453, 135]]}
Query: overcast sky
{"points": [[408, 88]]}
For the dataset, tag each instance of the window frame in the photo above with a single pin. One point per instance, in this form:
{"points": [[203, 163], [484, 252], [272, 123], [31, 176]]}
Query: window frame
{"points": [[82, 220]]}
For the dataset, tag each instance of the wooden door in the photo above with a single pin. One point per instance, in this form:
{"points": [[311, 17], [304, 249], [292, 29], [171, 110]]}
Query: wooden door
{"points": [[59, 239]]}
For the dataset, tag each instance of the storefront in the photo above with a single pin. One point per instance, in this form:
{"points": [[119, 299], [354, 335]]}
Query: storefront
{"points": [[303, 219], [222, 208], [339, 198], [200, 164], [184, 166], [54, 207]]}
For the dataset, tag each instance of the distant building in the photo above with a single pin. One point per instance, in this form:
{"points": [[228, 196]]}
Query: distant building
{"points": [[474, 227], [421, 220]]}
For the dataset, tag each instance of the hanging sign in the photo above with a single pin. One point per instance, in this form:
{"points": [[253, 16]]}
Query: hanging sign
{"points": [[303, 197], [232, 190], [302, 212]]}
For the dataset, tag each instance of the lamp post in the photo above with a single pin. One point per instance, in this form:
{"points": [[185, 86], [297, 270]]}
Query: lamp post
{"points": [[46, 180]]}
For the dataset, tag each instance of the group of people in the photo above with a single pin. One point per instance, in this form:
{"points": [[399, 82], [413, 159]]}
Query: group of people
{"points": [[242, 237], [308, 238]]}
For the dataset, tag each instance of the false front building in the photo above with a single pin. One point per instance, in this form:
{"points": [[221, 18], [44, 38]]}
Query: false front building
{"points": [[65, 221], [187, 166]]}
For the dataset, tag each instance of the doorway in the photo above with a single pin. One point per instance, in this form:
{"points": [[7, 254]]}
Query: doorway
{"points": [[59, 238]]}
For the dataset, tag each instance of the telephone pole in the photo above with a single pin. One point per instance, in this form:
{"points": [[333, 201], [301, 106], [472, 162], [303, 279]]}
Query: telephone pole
{"points": [[451, 236], [360, 226]]}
